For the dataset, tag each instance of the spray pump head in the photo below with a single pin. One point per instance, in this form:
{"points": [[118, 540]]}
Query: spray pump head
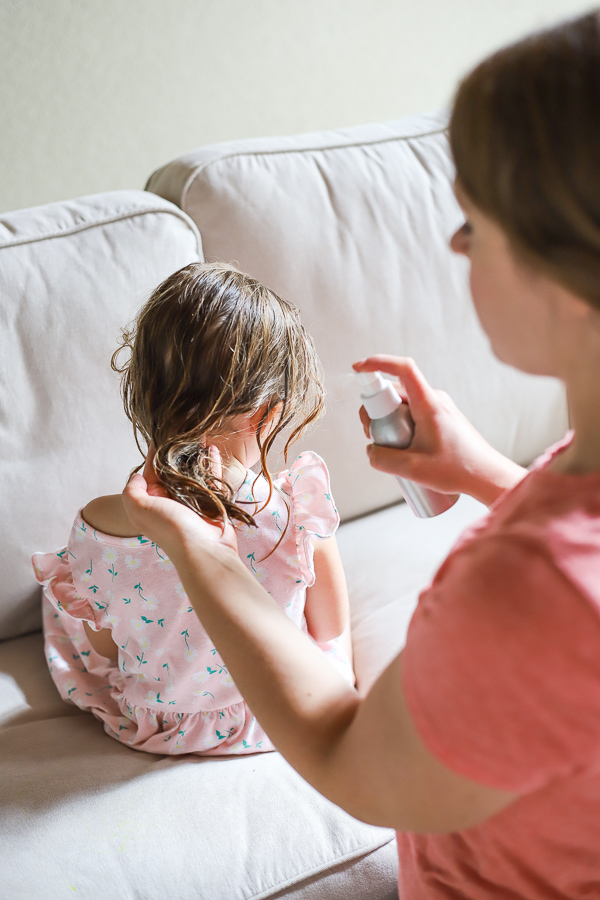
{"points": [[378, 394]]}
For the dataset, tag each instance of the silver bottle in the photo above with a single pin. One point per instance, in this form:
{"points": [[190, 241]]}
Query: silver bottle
{"points": [[392, 426]]}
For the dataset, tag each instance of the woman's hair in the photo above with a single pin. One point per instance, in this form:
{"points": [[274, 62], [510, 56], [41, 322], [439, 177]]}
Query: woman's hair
{"points": [[212, 344], [525, 135]]}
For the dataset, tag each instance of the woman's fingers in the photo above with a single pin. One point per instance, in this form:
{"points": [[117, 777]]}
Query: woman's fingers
{"points": [[392, 461], [153, 482], [365, 420], [136, 489]]}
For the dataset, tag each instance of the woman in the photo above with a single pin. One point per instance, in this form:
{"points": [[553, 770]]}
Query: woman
{"points": [[487, 751]]}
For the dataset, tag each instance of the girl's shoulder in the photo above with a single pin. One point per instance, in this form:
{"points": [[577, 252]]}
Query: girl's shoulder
{"points": [[108, 518], [104, 523]]}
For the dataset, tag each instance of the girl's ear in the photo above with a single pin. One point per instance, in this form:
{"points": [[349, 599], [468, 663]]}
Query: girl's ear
{"points": [[256, 418]]}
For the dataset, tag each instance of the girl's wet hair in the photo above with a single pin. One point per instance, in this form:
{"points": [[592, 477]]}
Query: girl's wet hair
{"points": [[525, 136], [212, 344]]}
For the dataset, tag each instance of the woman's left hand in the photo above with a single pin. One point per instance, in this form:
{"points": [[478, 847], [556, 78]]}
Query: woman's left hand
{"points": [[167, 522]]}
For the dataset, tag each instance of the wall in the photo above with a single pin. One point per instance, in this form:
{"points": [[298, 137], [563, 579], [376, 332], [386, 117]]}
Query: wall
{"points": [[95, 94]]}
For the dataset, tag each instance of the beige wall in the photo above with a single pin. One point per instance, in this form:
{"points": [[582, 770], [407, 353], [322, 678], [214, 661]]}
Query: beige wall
{"points": [[95, 94]]}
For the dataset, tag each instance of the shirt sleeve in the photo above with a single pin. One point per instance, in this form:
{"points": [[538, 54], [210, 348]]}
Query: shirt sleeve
{"points": [[501, 669], [315, 516], [53, 571]]}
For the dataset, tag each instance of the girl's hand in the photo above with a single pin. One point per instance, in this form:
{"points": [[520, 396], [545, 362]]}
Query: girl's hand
{"points": [[447, 453], [168, 523]]}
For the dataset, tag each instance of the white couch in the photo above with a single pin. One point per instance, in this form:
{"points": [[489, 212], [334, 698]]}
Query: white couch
{"points": [[352, 226]]}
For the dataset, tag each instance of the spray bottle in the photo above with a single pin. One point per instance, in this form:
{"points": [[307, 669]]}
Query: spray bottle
{"points": [[392, 426]]}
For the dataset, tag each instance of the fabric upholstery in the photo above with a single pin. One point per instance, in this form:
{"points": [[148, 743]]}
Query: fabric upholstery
{"points": [[71, 276]]}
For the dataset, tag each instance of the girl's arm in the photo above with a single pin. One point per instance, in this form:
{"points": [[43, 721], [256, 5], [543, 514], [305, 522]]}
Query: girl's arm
{"points": [[102, 641], [327, 608], [447, 453], [362, 753]]}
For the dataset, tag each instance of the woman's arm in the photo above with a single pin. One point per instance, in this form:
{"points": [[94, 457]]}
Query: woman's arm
{"points": [[447, 453], [363, 754]]}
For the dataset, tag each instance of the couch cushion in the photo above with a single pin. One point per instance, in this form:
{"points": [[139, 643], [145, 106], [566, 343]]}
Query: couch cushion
{"points": [[353, 227], [71, 275], [84, 815]]}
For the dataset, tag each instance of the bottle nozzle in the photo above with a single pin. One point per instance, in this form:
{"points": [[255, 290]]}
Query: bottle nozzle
{"points": [[378, 394], [370, 383]]}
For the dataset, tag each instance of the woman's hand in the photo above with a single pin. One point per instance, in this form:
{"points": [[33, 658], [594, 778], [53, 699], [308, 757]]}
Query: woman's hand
{"points": [[447, 453], [168, 523]]}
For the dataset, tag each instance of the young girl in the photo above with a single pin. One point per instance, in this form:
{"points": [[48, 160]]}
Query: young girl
{"points": [[215, 359]]}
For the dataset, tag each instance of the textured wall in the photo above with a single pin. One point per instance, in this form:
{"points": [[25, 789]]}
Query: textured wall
{"points": [[95, 94]]}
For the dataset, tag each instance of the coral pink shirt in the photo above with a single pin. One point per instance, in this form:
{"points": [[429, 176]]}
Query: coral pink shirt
{"points": [[501, 673]]}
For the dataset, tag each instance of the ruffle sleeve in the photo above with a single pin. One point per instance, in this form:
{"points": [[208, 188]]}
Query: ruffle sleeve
{"points": [[314, 514], [53, 572]]}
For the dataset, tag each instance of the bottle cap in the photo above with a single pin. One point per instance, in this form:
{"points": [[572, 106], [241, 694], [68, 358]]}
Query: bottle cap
{"points": [[378, 395]]}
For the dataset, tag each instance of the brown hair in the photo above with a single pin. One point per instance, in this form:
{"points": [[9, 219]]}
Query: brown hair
{"points": [[212, 344], [525, 135]]}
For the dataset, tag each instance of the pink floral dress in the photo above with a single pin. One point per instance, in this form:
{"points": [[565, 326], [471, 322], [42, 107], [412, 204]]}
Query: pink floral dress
{"points": [[170, 691]]}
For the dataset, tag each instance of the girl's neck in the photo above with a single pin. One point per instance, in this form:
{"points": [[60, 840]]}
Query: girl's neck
{"points": [[237, 456]]}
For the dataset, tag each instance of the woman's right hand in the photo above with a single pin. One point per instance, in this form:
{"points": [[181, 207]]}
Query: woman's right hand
{"points": [[447, 453]]}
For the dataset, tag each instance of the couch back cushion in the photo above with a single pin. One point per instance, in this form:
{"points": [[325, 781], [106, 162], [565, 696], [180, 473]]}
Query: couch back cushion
{"points": [[71, 275], [353, 226]]}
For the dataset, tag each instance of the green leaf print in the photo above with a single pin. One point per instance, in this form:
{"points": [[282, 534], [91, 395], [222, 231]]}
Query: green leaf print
{"points": [[94, 588], [147, 621]]}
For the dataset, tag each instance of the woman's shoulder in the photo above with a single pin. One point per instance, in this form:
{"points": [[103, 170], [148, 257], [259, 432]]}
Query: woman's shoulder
{"points": [[107, 516]]}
